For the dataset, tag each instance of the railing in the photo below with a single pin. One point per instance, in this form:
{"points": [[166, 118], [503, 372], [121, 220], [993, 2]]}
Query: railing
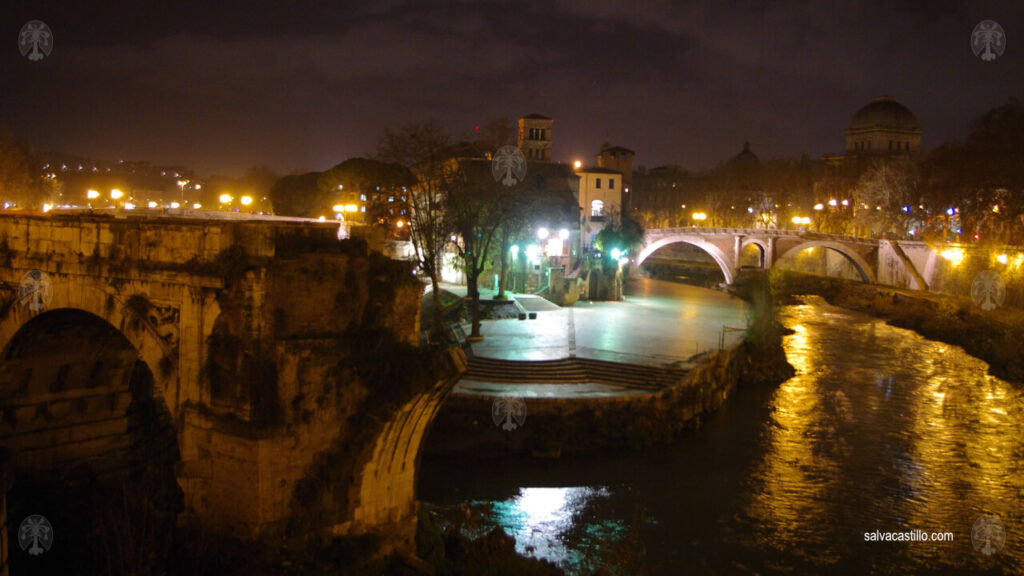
{"points": [[772, 232]]}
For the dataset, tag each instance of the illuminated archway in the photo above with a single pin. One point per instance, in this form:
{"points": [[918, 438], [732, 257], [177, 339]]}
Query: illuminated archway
{"points": [[860, 265], [716, 254]]}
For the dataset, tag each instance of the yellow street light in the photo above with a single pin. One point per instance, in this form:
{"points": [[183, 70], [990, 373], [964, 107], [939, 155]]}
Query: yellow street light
{"points": [[700, 216], [246, 200], [92, 194], [338, 208], [225, 198], [116, 194], [400, 223], [577, 164]]}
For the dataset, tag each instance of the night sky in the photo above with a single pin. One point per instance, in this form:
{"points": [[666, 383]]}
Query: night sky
{"points": [[220, 88]]}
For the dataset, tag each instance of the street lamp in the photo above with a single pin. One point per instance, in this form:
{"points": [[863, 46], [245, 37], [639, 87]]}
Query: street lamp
{"points": [[116, 194], [225, 199], [542, 233], [246, 200]]}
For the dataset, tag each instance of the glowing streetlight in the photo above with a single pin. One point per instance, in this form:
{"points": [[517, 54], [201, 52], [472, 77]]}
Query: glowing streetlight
{"points": [[845, 202], [542, 233], [338, 208], [563, 234], [151, 204], [197, 206], [400, 223], [246, 200], [577, 165], [92, 194], [832, 202], [819, 206], [700, 216], [1002, 258], [175, 205], [225, 198], [116, 194]]}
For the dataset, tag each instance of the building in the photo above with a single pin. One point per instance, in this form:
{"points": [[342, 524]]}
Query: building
{"points": [[621, 160], [882, 130], [534, 137], [600, 195]]}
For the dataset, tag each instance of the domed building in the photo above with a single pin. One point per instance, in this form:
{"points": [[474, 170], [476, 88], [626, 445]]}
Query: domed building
{"points": [[883, 127], [882, 130]]}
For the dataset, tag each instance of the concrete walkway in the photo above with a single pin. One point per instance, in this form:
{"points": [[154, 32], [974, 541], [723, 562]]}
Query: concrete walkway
{"points": [[660, 323]]}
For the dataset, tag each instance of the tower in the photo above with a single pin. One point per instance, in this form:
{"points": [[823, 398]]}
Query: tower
{"points": [[534, 138]]}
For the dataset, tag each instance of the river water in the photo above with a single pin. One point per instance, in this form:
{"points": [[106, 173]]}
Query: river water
{"points": [[880, 430]]}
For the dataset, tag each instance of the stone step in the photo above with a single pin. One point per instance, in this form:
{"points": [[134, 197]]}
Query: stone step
{"points": [[572, 371]]}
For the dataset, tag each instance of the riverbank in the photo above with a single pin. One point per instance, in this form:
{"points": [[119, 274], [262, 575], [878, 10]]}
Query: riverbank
{"points": [[558, 426], [993, 336]]}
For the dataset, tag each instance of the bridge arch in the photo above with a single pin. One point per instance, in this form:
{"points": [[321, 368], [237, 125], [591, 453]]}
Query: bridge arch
{"points": [[125, 314], [91, 435], [723, 261], [862, 266], [762, 247]]}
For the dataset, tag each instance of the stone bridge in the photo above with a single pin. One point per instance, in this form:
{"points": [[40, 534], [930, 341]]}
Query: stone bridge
{"points": [[256, 359], [904, 263]]}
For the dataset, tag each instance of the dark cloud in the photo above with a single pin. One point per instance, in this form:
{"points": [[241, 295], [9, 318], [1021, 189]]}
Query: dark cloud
{"points": [[304, 86]]}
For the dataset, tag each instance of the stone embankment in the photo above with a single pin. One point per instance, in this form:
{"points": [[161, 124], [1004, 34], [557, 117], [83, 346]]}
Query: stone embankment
{"points": [[560, 426], [994, 336]]}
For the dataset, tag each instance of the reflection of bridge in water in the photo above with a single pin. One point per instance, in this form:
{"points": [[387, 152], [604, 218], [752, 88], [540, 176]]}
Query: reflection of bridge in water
{"points": [[904, 263]]}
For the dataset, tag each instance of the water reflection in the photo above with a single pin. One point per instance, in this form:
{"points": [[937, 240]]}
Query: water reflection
{"points": [[880, 429]]}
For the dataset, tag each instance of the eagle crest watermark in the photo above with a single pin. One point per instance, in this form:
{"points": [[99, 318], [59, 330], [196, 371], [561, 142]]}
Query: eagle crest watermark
{"points": [[988, 291], [35, 41], [509, 413], [508, 165], [988, 41], [988, 535], [35, 535], [35, 291]]}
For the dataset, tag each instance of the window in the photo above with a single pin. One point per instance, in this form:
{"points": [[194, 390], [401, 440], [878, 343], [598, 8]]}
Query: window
{"points": [[362, 197], [611, 183], [597, 183], [597, 208]]}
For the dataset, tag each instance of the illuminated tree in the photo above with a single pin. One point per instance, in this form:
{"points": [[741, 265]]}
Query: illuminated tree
{"points": [[424, 149]]}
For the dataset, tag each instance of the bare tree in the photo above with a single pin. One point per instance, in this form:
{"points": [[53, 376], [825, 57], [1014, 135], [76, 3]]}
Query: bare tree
{"points": [[423, 148]]}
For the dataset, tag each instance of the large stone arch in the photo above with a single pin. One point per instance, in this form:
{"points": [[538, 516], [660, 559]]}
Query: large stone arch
{"points": [[91, 433], [116, 311], [715, 252], [862, 266]]}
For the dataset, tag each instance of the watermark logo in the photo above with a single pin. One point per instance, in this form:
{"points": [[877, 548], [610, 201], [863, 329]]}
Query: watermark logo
{"points": [[35, 40], [988, 291], [988, 535], [509, 413], [35, 535], [35, 291], [508, 165], [988, 40]]}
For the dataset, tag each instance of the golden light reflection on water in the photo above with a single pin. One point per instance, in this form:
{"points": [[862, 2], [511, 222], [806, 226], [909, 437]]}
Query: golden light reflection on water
{"points": [[883, 430]]}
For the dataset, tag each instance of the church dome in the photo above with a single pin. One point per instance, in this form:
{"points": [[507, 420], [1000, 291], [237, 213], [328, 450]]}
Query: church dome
{"points": [[885, 114], [745, 159]]}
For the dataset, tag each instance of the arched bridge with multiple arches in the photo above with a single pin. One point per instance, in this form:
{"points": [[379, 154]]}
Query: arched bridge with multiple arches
{"points": [[905, 264]]}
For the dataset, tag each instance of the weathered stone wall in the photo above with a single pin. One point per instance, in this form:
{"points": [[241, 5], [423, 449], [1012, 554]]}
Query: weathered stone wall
{"points": [[266, 340]]}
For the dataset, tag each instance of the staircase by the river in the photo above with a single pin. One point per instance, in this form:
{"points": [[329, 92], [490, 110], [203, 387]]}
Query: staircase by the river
{"points": [[573, 371]]}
